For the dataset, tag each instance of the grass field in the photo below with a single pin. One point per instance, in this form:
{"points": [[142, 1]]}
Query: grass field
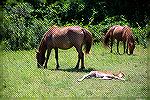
{"points": [[20, 76]]}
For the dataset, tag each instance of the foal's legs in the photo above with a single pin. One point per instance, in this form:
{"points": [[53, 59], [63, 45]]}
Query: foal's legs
{"points": [[56, 57], [85, 77], [48, 54]]}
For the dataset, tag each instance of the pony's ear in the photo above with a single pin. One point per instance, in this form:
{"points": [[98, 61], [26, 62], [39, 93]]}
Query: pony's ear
{"points": [[122, 74]]}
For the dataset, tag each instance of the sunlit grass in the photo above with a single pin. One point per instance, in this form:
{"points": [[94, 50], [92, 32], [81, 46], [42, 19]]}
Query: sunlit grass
{"points": [[21, 77]]}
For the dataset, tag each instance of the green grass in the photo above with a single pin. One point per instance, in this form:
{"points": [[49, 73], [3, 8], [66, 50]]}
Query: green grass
{"points": [[20, 76]]}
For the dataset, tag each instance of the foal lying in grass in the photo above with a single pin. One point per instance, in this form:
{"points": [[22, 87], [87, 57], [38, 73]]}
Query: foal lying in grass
{"points": [[103, 75]]}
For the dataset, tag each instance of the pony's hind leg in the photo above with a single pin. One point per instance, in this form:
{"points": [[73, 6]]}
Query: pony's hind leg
{"points": [[117, 46], [56, 57], [80, 56], [77, 65]]}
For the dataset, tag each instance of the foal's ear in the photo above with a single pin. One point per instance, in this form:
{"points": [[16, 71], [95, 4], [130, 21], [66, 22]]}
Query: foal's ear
{"points": [[36, 51]]}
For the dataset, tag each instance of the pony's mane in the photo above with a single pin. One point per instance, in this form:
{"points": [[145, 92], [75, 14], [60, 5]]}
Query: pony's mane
{"points": [[43, 42], [128, 32]]}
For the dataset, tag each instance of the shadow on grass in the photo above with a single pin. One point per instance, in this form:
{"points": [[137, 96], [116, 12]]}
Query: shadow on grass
{"points": [[116, 53], [74, 70]]}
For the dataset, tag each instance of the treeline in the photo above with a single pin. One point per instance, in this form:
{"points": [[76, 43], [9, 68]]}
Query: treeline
{"points": [[25, 21]]}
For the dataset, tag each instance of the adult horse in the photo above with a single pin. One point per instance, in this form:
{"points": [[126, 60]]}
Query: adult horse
{"points": [[64, 38], [120, 33]]}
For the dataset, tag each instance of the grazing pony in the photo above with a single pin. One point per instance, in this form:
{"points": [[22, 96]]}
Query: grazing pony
{"points": [[120, 33], [64, 38]]}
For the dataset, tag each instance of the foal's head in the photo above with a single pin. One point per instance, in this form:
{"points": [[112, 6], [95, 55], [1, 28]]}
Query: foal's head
{"points": [[120, 74], [40, 59]]}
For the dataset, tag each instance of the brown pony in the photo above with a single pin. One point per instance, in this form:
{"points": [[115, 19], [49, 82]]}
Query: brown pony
{"points": [[120, 33], [64, 38]]}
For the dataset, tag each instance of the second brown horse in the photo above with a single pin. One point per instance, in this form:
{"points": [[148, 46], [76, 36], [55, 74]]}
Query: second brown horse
{"points": [[120, 33], [64, 38]]}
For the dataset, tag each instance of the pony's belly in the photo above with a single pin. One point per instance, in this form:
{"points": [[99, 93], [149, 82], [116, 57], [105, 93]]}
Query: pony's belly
{"points": [[64, 46]]}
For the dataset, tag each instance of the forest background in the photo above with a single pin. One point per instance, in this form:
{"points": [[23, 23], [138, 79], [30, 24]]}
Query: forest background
{"points": [[25, 21]]}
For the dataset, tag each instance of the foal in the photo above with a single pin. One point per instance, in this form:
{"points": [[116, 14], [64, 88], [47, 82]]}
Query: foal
{"points": [[103, 75]]}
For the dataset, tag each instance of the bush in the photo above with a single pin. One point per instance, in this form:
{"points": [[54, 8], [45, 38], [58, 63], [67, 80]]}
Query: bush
{"points": [[141, 35], [99, 30], [21, 30], [25, 23], [16, 23]]}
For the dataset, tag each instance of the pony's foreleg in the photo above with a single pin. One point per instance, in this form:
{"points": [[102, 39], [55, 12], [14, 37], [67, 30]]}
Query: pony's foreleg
{"points": [[111, 45], [56, 57], [48, 54], [117, 46], [127, 49]]}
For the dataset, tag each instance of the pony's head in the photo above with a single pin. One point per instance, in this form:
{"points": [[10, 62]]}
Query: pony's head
{"points": [[131, 47], [40, 59], [130, 39]]}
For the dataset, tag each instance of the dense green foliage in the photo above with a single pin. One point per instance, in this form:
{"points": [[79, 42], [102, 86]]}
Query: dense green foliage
{"points": [[25, 21]]}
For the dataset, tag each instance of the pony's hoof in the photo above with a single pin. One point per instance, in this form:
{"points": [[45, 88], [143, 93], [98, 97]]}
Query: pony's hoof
{"points": [[77, 67], [82, 68], [57, 67], [45, 67]]}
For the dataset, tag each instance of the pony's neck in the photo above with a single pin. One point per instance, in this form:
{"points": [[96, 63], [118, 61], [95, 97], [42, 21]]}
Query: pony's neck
{"points": [[42, 47], [129, 34], [131, 39]]}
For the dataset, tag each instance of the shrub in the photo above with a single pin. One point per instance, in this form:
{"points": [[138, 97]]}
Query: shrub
{"points": [[15, 25], [21, 30], [100, 29]]}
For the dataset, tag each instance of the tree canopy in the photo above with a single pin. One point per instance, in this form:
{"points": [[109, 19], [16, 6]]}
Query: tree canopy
{"points": [[25, 21]]}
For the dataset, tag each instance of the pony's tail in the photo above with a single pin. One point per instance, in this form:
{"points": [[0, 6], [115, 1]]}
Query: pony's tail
{"points": [[88, 40]]}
